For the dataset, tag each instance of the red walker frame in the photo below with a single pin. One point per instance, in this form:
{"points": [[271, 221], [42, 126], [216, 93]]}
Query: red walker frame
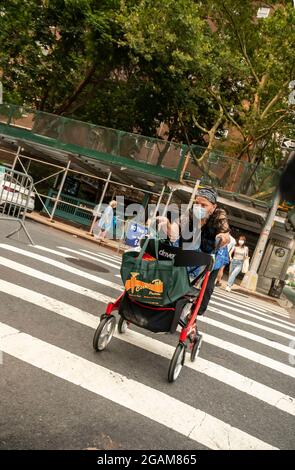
{"points": [[188, 333]]}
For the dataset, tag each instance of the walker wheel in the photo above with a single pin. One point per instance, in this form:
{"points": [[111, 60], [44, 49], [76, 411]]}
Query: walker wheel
{"points": [[177, 362], [122, 325], [196, 347], [104, 333]]}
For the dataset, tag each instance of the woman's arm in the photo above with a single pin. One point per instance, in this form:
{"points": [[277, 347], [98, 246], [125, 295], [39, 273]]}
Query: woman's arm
{"points": [[222, 226], [224, 239], [231, 253]]}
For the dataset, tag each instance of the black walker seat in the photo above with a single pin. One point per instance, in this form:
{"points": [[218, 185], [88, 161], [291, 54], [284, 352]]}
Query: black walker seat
{"points": [[180, 256]]}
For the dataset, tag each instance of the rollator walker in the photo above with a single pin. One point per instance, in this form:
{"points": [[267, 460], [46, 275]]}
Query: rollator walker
{"points": [[182, 313]]}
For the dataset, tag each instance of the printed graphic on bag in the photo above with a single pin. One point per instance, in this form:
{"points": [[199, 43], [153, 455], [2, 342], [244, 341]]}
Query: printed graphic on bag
{"points": [[135, 285]]}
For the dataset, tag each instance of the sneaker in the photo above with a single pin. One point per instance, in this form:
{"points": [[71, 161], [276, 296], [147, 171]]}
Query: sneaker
{"points": [[218, 284], [228, 289]]}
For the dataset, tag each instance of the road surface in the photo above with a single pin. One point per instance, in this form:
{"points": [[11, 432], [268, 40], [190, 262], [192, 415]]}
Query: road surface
{"points": [[58, 393]]}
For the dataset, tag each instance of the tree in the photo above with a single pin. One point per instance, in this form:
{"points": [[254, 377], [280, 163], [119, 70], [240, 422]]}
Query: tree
{"points": [[214, 65], [196, 66], [52, 51], [265, 49]]}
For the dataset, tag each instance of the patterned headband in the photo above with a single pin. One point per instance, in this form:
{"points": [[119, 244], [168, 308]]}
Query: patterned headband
{"points": [[208, 193]]}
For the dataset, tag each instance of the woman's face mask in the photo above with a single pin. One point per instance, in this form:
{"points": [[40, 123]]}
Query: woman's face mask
{"points": [[241, 242], [200, 212]]}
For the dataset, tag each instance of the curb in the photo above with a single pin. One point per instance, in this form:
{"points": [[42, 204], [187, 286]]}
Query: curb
{"points": [[74, 232]]}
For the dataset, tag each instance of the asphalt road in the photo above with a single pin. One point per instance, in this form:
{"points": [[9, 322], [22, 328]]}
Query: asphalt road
{"points": [[57, 393]]}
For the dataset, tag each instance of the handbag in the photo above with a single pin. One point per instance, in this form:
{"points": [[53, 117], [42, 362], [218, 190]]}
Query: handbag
{"points": [[153, 281], [221, 257], [245, 267]]}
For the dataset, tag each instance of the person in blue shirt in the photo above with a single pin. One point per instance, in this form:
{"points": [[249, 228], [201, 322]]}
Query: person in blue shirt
{"points": [[227, 251], [106, 222]]}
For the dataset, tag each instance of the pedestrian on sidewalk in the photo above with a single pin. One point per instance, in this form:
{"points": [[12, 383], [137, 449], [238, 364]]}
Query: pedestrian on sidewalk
{"points": [[229, 249], [240, 257], [106, 222]]}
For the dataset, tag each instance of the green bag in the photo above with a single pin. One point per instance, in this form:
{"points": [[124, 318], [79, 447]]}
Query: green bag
{"points": [[154, 282]]}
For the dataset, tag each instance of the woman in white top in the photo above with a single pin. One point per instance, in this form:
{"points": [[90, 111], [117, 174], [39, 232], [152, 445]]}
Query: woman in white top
{"points": [[240, 253]]}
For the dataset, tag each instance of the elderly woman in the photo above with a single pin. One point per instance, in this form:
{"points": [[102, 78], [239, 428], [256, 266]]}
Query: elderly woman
{"points": [[200, 229], [105, 223]]}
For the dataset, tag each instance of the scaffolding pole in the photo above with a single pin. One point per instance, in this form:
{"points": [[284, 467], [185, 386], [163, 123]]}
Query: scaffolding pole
{"points": [[60, 190], [100, 202]]}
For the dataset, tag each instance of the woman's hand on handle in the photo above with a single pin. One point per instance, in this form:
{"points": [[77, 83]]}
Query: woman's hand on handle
{"points": [[163, 224], [171, 230]]}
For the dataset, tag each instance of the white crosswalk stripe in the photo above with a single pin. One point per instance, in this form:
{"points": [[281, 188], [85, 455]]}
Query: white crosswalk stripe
{"points": [[152, 404], [21, 268], [62, 266], [245, 303], [114, 259], [65, 255], [246, 310], [246, 334], [30, 296], [95, 258], [53, 252], [233, 379], [258, 305], [251, 355], [200, 426], [104, 255], [251, 323]]}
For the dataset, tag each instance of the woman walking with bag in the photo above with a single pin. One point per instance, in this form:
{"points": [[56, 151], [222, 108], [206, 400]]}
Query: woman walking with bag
{"points": [[240, 262], [106, 222]]}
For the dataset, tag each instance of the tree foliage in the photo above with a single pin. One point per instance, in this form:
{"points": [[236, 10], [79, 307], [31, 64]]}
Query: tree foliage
{"points": [[197, 66]]}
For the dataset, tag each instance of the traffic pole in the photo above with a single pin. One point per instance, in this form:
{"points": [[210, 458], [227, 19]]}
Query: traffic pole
{"points": [[251, 277]]}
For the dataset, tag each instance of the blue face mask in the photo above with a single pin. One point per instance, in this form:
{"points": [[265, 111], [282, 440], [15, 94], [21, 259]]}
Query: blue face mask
{"points": [[200, 212]]}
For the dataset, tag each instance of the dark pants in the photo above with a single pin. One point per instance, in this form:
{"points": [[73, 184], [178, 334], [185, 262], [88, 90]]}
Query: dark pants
{"points": [[208, 291]]}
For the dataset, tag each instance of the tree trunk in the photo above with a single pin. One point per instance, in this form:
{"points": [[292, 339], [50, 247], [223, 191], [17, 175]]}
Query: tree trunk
{"points": [[67, 103]]}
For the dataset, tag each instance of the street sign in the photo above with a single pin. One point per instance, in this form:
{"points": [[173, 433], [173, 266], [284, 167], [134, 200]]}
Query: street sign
{"points": [[288, 144], [135, 233]]}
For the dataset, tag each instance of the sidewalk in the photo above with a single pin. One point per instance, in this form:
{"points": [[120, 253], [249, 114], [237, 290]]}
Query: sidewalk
{"points": [[241, 290], [78, 232], [119, 248]]}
